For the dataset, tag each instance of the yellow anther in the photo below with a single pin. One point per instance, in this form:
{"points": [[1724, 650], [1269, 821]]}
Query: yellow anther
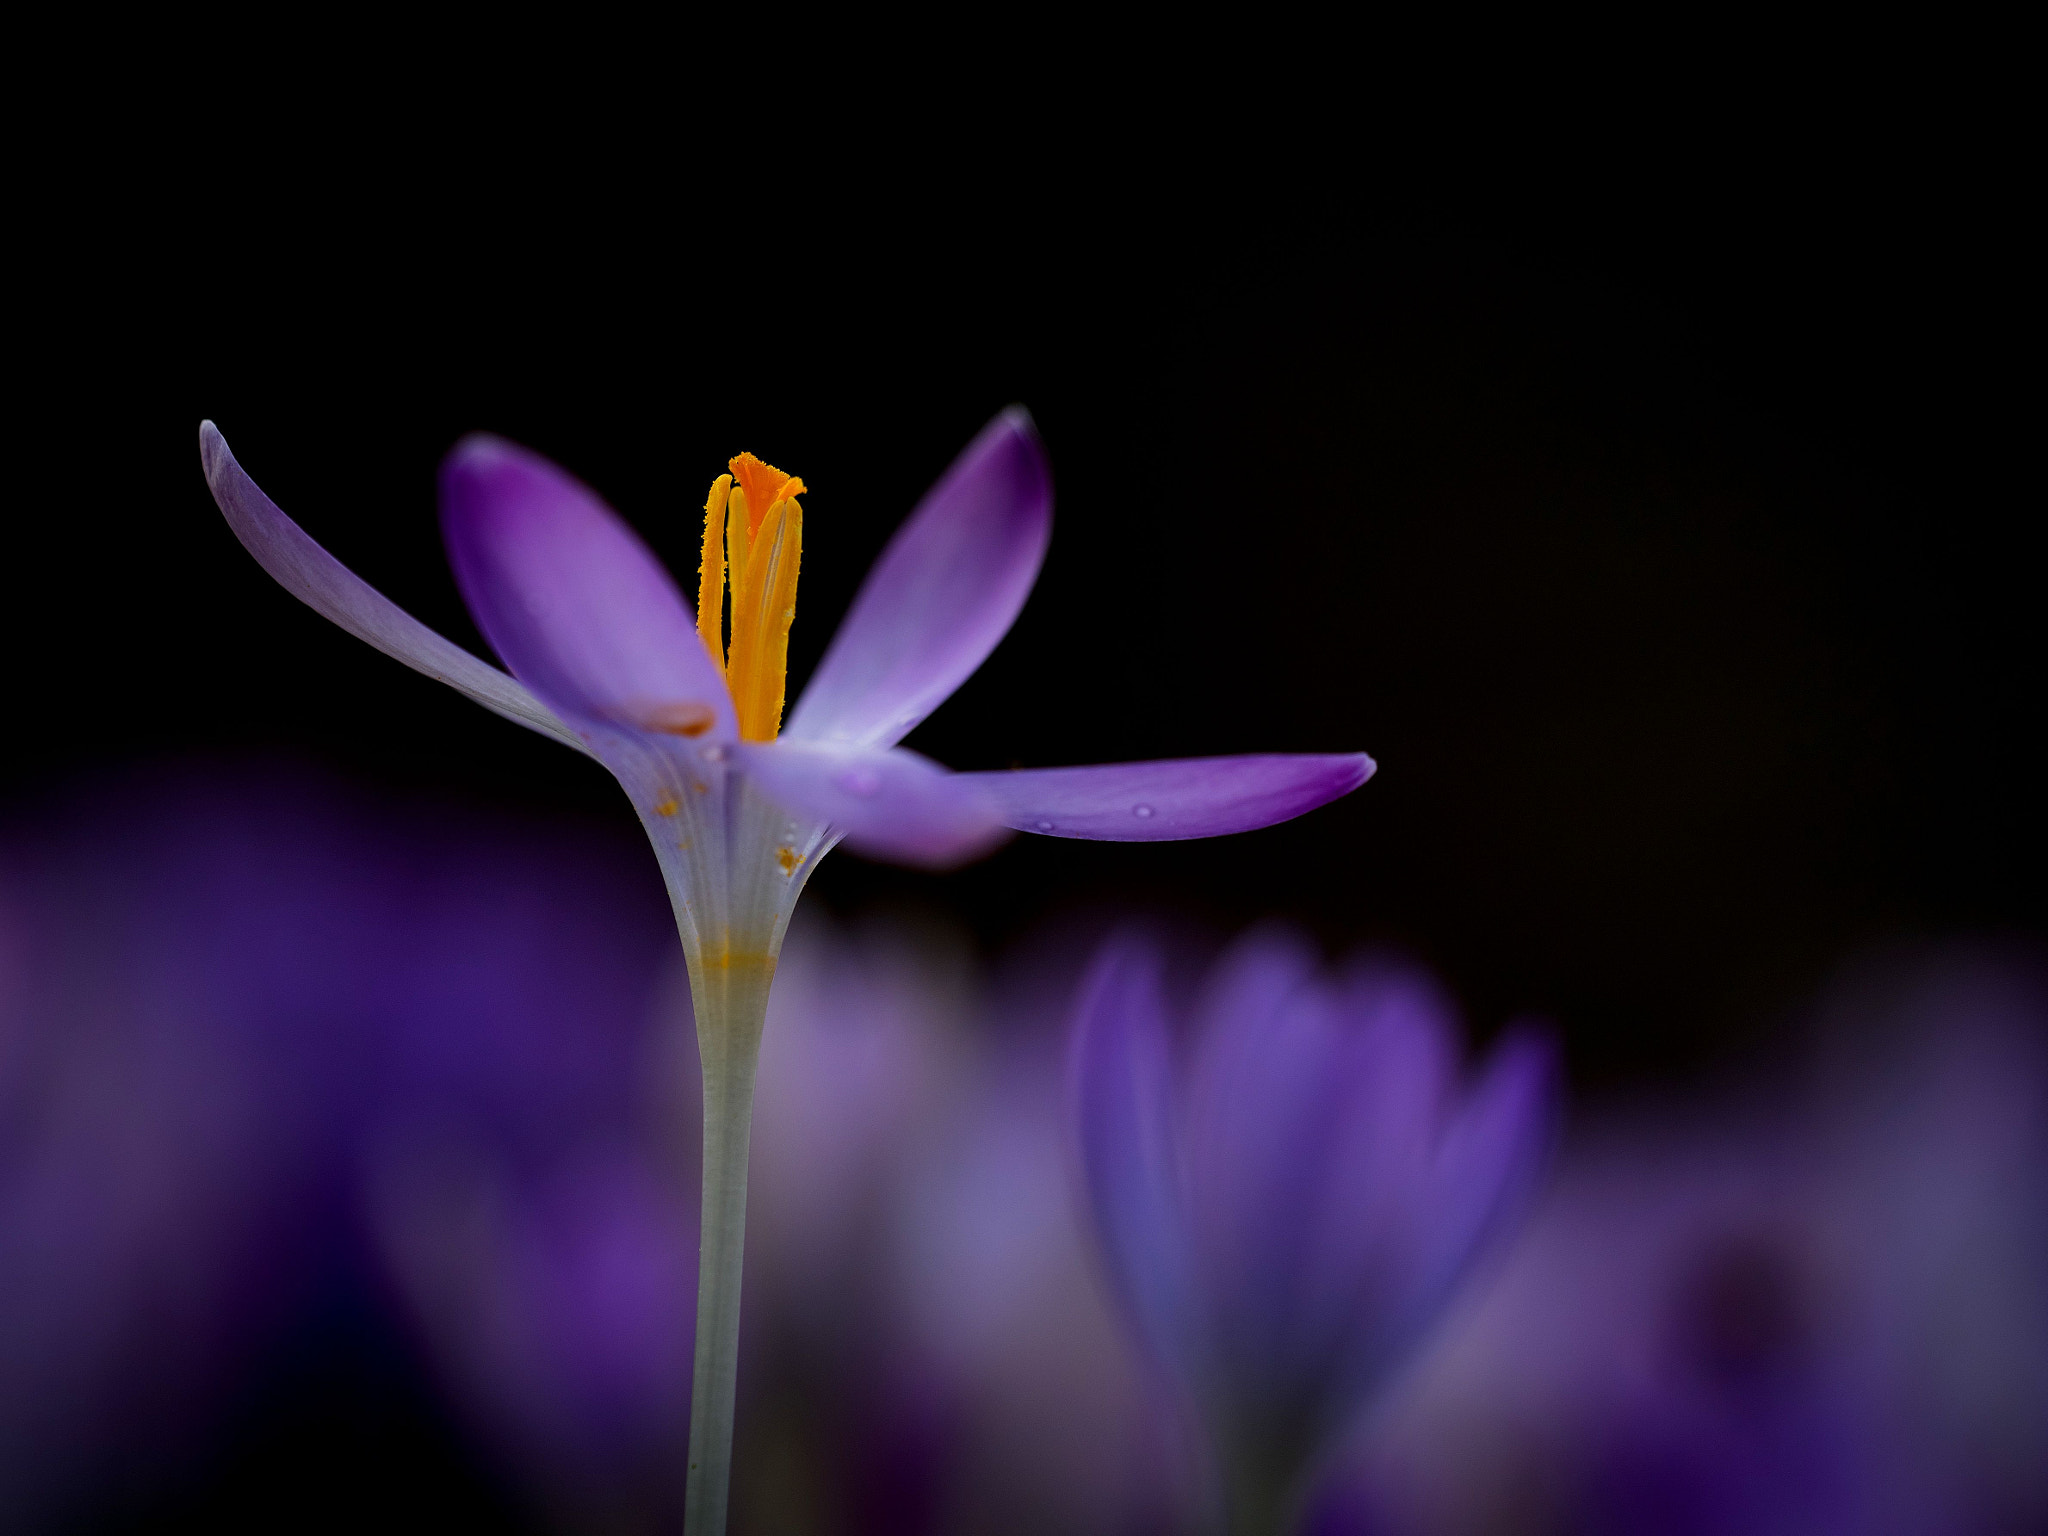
{"points": [[753, 539], [764, 485], [739, 542], [763, 607], [711, 573]]}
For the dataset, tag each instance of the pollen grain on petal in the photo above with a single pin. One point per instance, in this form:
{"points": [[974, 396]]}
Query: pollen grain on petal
{"points": [[788, 858], [666, 806]]}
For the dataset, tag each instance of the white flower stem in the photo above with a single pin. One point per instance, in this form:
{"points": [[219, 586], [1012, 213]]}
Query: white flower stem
{"points": [[731, 1002]]}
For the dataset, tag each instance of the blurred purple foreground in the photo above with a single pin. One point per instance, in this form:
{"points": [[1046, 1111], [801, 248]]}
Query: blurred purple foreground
{"points": [[254, 1031]]}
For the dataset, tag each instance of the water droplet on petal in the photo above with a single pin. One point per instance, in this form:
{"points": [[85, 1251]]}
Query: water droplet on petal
{"points": [[1141, 811], [714, 753], [1045, 826], [858, 781]]}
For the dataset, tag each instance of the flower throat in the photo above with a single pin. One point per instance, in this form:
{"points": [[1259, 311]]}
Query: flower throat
{"points": [[754, 527]]}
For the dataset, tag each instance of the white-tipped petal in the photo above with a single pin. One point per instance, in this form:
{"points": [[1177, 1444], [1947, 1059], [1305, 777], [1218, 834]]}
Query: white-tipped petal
{"points": [[332, 590]]}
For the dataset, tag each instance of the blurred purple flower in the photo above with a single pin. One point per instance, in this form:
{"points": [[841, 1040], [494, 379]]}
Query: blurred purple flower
{"points": [[1285, 1214], [209, 1006], [1821, 1312], [558, 1310]]}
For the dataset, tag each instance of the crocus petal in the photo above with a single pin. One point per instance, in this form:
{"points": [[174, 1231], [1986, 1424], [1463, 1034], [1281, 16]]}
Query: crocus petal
{"points": [[1376, 1212], [571, 599], [944, 592], [336, 593], [1493, 1148], [891, 804], [1401, 1065], [1180, 798], [1259, 1101], [1120, 1088], [1256, 1222], [1486, 1168]]}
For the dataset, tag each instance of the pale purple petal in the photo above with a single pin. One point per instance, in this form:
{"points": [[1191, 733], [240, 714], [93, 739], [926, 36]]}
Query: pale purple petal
{"points": [[337, 594], [1493, 1147], [1178, 798], [576, 605], [1260, 1113], [1121, 1092], [1259, 1101], [1402, 1060], [891, 804], [944, 592], [1376, 1209], [1484, 1171]]}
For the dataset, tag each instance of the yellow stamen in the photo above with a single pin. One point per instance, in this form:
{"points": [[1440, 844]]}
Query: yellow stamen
{"points": [[765, 485], [763, 607], [739, 542], [753, 536], [711, 573]]}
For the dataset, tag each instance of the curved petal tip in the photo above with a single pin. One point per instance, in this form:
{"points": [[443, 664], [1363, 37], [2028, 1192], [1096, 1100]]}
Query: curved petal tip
{"points": [[330, 589], [942, 595], [1180, 798]]}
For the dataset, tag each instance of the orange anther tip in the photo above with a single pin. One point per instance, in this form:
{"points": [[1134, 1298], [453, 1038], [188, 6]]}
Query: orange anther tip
{"points": [[764, 484]]}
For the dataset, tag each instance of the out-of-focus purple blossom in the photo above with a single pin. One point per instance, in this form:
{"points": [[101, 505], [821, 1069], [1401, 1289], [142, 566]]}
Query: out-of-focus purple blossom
{"points": [[1286, 1209], [1818, 1312], [210, 1003], [996, 1286], [558, 1309], [1933, 1116]]}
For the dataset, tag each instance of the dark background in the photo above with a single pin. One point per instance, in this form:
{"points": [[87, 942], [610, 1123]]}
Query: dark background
{"points": [[1679, 571]]}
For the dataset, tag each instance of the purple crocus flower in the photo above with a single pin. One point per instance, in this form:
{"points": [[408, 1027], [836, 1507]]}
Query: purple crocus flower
{"points": [[1815, 1306], [608, 657], [1287, 1209]]}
